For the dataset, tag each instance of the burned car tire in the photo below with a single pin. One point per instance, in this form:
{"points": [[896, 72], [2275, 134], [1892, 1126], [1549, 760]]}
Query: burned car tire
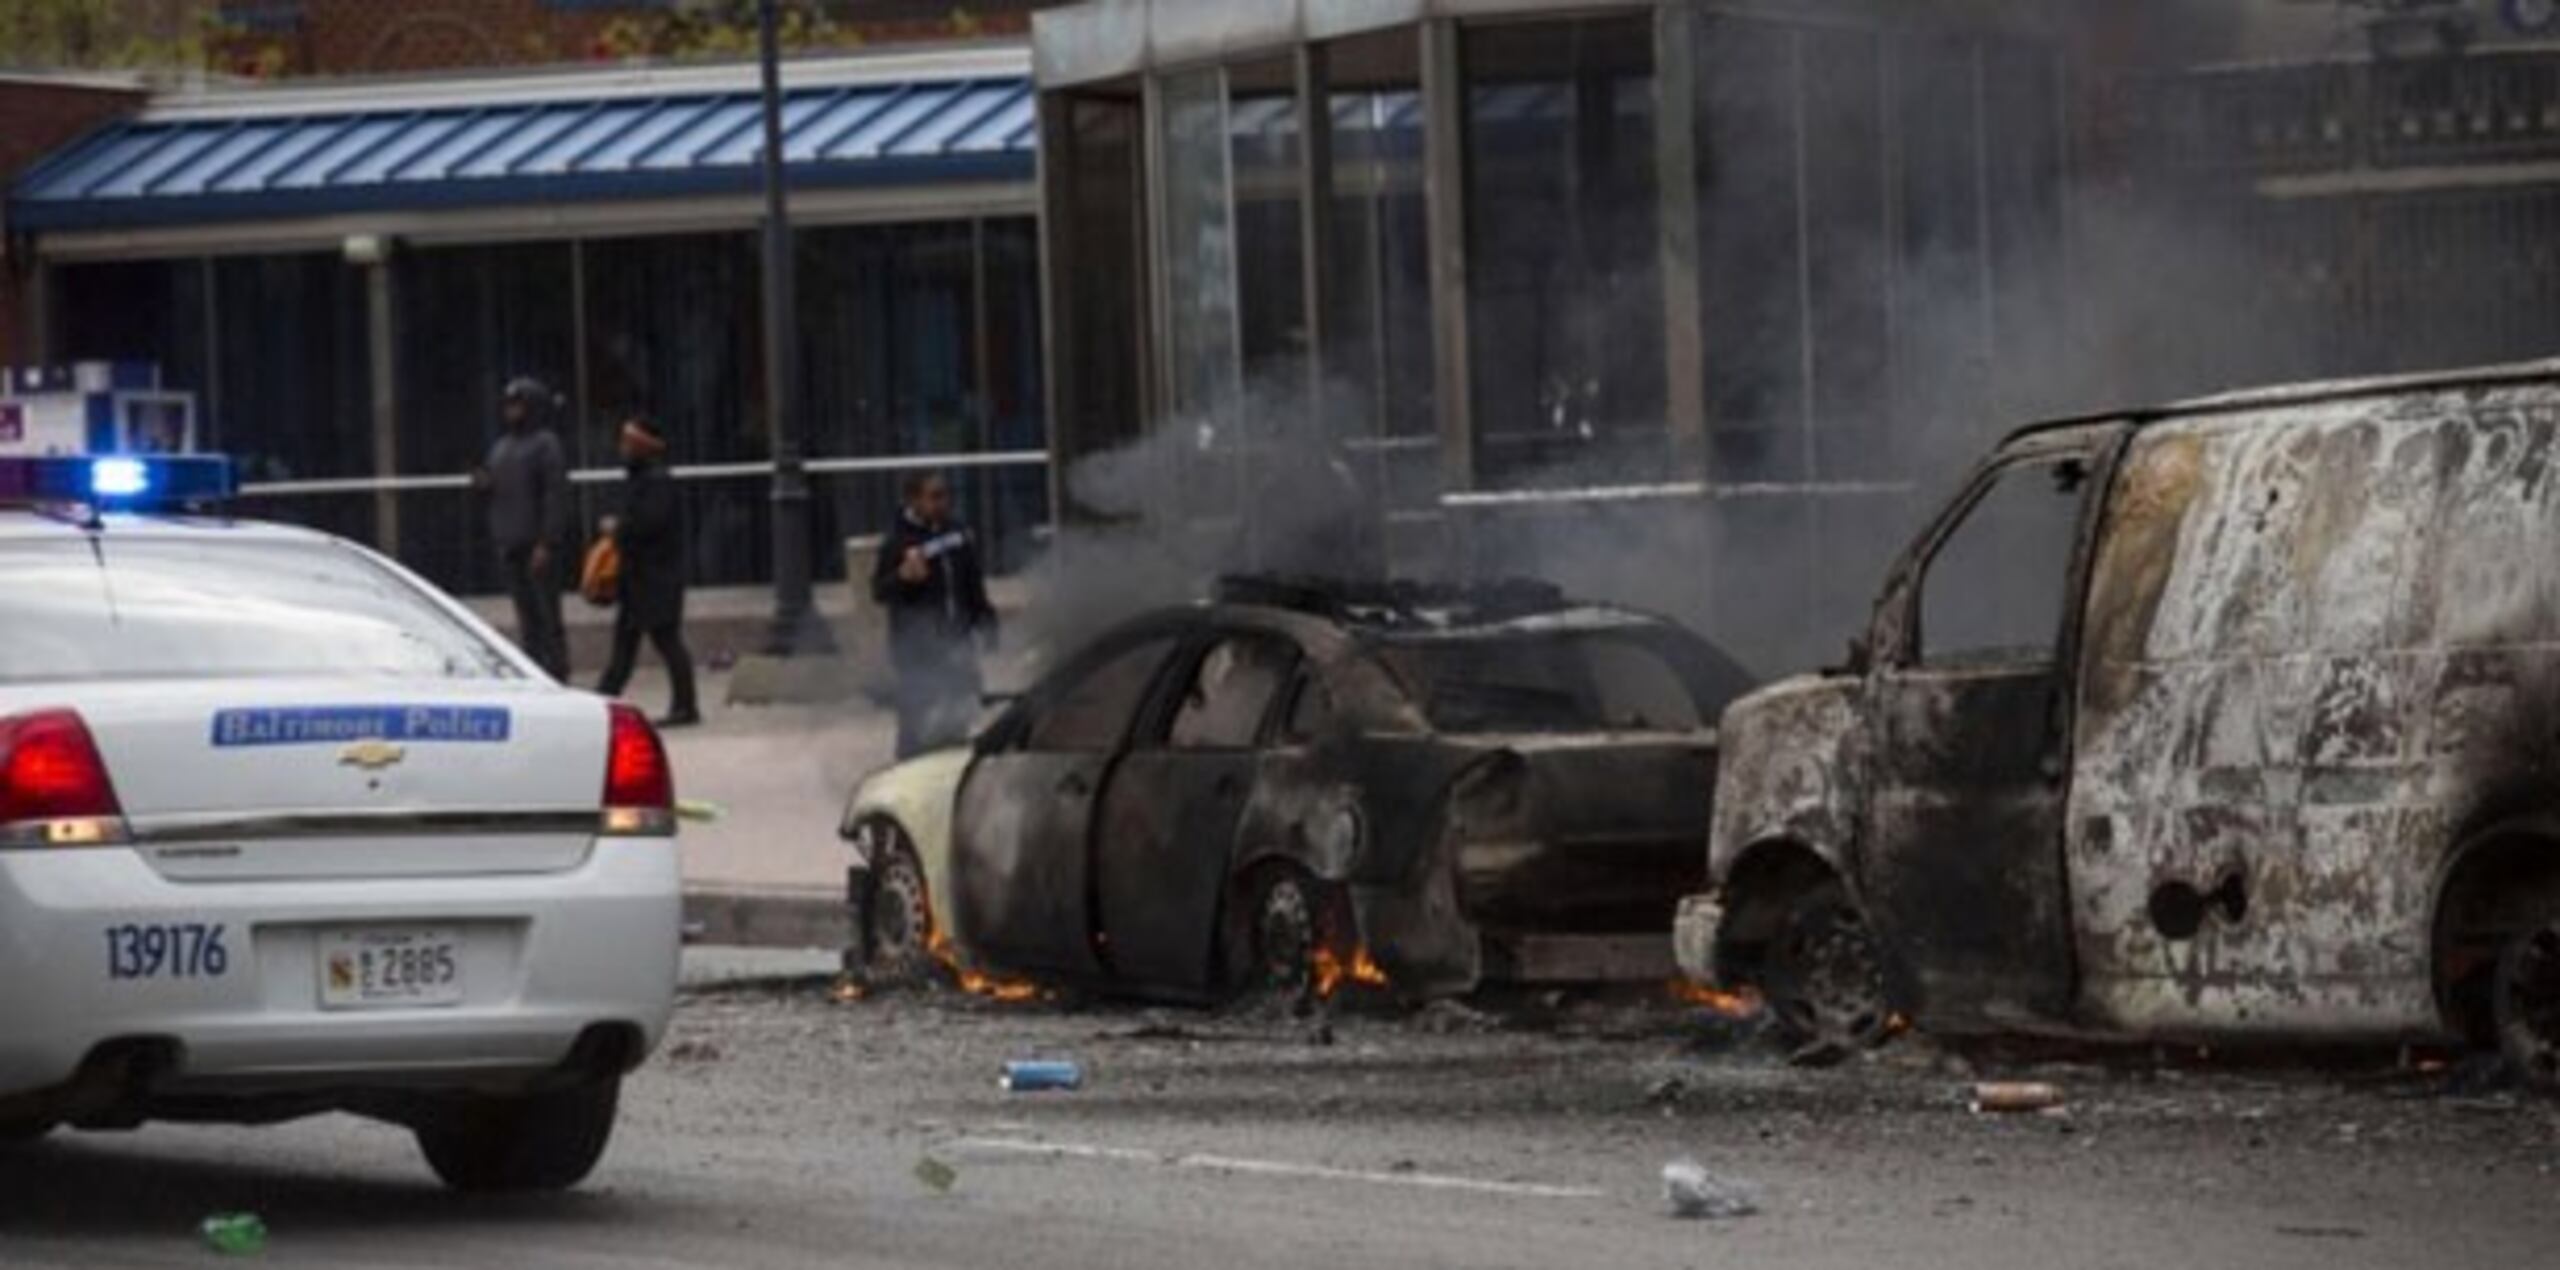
{"points": [[2526, 1005], [1824, 975], [897, 938], [1290, 919], [539, 1142]]}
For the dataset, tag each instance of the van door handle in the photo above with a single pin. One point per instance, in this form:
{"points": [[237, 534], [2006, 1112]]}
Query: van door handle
{"points": [[1075, 785], [1228, 787]]}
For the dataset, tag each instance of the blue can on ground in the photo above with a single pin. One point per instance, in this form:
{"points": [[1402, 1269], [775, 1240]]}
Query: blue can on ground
{"points": [[1030, 1077]]}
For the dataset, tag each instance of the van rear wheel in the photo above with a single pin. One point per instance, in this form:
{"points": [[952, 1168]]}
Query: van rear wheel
{"points": [[1824, 975], [2526, 1007]]}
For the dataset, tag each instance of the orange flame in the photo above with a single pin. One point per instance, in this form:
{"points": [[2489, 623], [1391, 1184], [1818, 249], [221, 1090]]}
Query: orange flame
{"points": [[1332, 971], [1740, 1004], [978, 983]]}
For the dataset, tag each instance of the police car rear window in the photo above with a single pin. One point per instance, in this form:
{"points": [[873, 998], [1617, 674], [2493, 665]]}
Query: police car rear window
{"points": [[175, 608]]}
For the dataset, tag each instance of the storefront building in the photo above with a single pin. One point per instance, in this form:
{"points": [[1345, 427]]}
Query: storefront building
{"points": [[346, 275], [1687, 303]]}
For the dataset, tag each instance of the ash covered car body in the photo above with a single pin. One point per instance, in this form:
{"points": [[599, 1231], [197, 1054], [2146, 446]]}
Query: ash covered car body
{"points": [[1302, 781], [2237, 719]]}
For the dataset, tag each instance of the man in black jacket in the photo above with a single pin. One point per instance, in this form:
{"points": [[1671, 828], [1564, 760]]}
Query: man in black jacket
{"points": [[650, 537], [935, 591], [525, 483]]}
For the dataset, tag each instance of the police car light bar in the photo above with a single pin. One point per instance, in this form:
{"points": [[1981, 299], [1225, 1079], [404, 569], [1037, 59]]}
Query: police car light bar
{"points": [[118, 482]]}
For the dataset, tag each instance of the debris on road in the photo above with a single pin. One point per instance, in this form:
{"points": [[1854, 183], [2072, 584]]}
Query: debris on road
{"points": [[700, 811], [693, 1051], [937, 1176], [1694, 1193], [1036, 1076], [235, 1234], [2000, 1096], [1447, 1017]]}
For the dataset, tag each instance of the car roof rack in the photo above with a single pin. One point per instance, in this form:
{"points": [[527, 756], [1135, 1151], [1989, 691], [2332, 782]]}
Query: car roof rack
{"points": [[1395, 605]]}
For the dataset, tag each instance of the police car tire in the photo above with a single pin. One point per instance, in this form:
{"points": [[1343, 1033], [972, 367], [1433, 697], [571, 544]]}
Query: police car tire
{"points": [[541, 1142]]}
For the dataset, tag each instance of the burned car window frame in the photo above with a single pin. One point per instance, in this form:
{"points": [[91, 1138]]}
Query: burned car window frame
{"points": [[1893, 634], [1194, 657], [2072, 473], [1018, 730]]}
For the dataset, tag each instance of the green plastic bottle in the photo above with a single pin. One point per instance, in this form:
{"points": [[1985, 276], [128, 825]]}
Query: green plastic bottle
{"points": [[235, 1234]]}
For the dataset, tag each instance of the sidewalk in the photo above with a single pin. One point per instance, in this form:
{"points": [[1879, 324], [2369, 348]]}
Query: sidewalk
{"points": [[770, 871]]}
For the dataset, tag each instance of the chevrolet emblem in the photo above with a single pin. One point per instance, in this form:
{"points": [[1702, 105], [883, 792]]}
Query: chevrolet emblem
{"points": [[372, 756]]}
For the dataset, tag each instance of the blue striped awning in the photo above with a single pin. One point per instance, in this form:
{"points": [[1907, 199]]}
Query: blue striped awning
{"points": [[260, 165]]}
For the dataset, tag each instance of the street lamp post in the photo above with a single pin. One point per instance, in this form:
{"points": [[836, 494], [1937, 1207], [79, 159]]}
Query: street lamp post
{"points": [[797, 631]]}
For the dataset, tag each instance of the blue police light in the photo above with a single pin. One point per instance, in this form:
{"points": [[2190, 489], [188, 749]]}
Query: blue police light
{"points": [[123, 482], [119, 479]]}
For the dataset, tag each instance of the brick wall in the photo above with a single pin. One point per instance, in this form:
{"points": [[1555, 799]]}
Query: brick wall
{"points": [[38, 117]]}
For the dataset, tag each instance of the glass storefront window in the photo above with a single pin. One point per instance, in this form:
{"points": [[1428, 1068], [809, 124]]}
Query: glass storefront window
{"points": [[1270, 245], [469, 319], [1378, 393], [137, 311], [1563, 254], [1099, 214], [1199, 247], [294, 380]]}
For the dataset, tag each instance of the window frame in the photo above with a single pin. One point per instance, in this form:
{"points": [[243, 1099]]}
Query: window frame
{"points": [[1017, 736], [1158, 732], [1894, 637]]}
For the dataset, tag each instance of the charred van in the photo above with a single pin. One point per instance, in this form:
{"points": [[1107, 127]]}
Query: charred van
{"points": [[2238, 719]]}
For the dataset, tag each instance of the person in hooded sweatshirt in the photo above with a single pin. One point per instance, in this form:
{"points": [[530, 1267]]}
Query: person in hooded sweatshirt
{"points": [[649, 535], [525, 486], [931, 584]]}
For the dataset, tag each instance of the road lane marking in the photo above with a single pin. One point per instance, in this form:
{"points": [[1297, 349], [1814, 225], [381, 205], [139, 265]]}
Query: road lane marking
{"points": [[1268, 1168]]}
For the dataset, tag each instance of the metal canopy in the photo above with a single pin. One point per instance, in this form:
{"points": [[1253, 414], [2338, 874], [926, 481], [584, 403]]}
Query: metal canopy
{"points": [[257, 163]]}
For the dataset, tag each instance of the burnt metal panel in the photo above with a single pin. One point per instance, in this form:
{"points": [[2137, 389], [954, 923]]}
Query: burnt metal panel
{"points": [[2316, 637]]}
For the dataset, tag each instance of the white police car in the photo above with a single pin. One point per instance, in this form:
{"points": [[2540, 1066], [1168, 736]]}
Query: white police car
{"points": [[283, 830]]}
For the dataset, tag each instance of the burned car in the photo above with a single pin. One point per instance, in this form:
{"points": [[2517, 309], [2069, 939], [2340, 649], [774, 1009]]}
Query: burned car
{"points": [[1303, 782], [2230, 721]]}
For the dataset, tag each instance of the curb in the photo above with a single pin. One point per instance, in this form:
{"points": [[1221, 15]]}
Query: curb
{"points": [[746, 919]]}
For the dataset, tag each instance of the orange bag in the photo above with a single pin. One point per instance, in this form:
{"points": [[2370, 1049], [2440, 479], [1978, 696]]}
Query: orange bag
{"points": [[600, 580]]}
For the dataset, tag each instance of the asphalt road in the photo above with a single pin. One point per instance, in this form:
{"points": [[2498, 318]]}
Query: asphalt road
{"points": [[782, 1129]]}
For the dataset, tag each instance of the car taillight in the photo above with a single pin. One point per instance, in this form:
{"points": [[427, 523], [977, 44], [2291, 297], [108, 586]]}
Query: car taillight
{"points": [[54, 790], [639, 786]]}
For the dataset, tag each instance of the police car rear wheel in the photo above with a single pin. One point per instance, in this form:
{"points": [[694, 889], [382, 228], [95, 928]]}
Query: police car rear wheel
{"points": [[541, 1142], [2527, 1007]]}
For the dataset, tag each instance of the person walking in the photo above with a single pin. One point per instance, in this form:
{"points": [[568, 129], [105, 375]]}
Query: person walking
{"points": [[526, 481], [930, 582], [649, 535]]}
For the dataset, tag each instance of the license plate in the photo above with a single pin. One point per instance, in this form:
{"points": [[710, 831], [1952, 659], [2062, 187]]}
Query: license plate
{"points": [[390, 968]]}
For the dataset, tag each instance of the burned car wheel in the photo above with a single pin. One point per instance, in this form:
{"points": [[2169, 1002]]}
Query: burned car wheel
{"points": [[1292, 924], [1285, 936], [1824, 977], [898, 937], [2527, 1004]]}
